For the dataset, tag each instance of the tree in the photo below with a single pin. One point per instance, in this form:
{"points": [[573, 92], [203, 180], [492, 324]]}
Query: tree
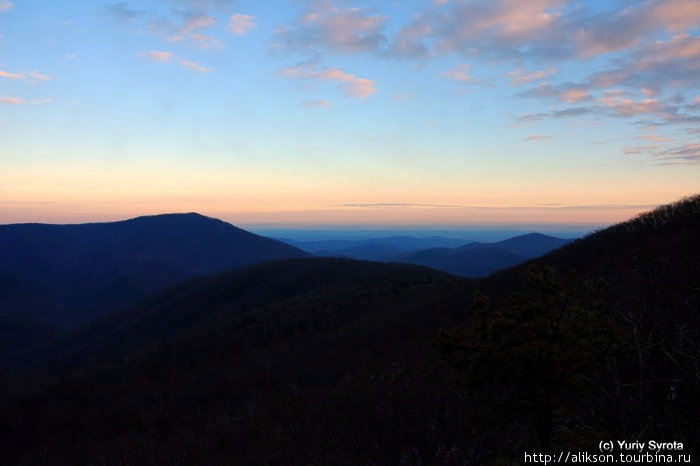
{"points": [[531, 356]]}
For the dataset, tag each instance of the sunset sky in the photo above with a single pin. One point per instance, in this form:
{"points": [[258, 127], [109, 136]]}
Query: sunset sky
{"points": [[307, 113]]}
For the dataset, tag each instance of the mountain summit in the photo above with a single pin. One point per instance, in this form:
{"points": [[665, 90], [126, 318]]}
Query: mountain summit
{"points": [[68, 274]]}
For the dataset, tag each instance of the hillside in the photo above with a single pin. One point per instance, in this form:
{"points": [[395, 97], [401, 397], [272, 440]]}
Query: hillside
{"points": [[344, 371], [68, 274], [210, 300], [281, 335]]}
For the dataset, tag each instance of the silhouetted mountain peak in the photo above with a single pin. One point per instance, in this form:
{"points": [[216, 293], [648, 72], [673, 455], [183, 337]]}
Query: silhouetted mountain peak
{"points": [[176, 216], [116, 263], [177, 219]]}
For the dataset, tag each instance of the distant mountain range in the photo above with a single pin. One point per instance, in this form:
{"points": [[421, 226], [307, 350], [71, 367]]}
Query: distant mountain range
{"points": [[451, 255], [394, 243], [68, 274]]}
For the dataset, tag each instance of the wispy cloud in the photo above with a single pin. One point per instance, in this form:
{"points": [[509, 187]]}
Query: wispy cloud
{"points": [[396, 204], [654, 138], [568, 93], [562, 113], [670, 154], [316, 103], [158, 56], [623, 107], [13, 76], [327, 27], [410, 42], [5, 5], [186, 21], [350, 85], [551, 206], [500, 27], [537, 137], [461, 73], [12, 100], [520, 76], [31, 77], [186, 25], [240, 24], [611, 32], [194, 66]]}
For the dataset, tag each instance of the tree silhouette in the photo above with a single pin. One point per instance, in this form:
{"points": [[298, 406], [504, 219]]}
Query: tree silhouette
{"points": [[529, 357]]}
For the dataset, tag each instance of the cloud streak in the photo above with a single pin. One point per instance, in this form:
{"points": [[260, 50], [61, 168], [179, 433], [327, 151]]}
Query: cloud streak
{"points": [[676, 154], [12, 100], [31, 77], [461, 73], [520, 76], [380, 205], [158, 56], [194, 66], [568, 93], [349, 84]]}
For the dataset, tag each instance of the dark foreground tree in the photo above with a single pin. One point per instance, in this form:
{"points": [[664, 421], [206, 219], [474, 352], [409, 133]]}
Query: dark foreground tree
{"points": [[534, 358]]}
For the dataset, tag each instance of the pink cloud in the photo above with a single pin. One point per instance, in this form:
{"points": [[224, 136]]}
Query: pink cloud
{"points": [[681, 46], [621, 106], [35, 75], [196, 23], [567, 93], [158, 56], [240, 24], [182, 26], [629, 27], [350, 85], [497, 25], [194, 66], [537, 137], [675, 15], [327, 27], [12, 100], [655, 66], [13, 76], [574, 95], [6, 5], [521, 76], [654, 138], [31, 77], [461, 73], [206, 42]]}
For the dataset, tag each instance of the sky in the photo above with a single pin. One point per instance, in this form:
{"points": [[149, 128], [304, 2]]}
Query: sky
{"points": [[311, 113]]}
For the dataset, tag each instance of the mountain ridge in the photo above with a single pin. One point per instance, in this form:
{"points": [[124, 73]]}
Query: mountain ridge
{"points": [[116, 263]]}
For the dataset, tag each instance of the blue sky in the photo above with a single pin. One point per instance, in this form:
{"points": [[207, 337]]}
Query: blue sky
{"points": [[319, 112]]}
